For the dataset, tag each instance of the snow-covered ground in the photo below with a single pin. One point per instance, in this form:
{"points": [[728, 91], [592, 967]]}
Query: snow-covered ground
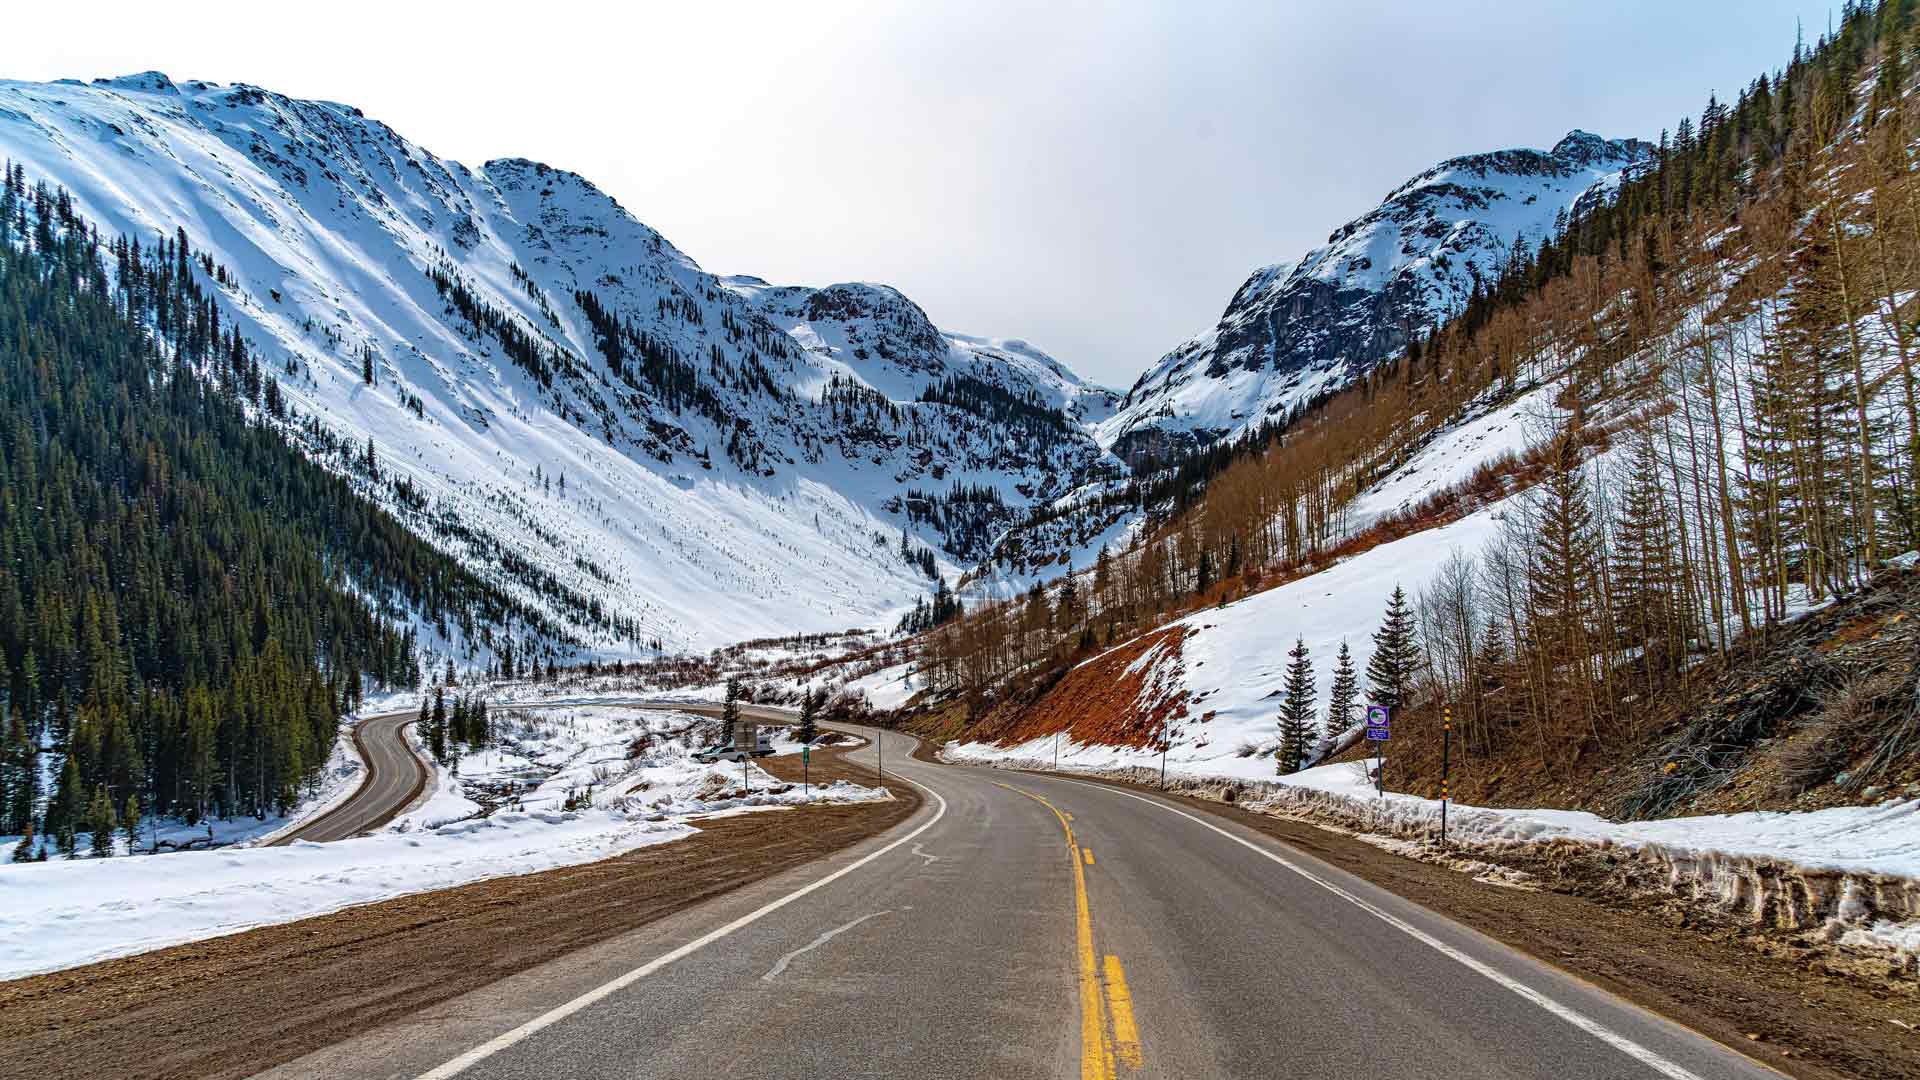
{"points": [[889, 688], [565, 785], [1233, 659], [1457, 451]]}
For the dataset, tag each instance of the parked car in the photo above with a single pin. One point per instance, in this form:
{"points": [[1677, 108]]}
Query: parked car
{"points": [[762, 746]]}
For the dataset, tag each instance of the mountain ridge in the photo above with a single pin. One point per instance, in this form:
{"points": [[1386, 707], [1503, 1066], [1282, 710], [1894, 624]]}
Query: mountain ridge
{"points": [[562, 390], [1299, 328]]}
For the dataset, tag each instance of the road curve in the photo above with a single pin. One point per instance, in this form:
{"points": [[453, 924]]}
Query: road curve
{"points": [[395, 777], [1032, 926]]}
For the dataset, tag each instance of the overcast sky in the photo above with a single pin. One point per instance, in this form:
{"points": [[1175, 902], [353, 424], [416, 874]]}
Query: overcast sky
{"points": [[1095, 178]]}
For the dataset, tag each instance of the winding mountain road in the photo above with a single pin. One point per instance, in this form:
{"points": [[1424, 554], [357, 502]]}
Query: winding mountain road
{"points": [[1034, 926], [395, 777], [396, 774]]}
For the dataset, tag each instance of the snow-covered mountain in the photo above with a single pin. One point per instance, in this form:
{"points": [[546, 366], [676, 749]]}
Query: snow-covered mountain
{"points": [[557, 394], [1297, 329]]}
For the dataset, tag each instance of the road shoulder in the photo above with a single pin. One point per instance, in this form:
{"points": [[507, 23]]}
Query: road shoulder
{"points": [[237, 1005], [1708, 978]]}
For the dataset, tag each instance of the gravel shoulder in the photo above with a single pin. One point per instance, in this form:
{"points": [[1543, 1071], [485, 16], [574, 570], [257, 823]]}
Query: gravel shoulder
{"points": [[233, 1006]]}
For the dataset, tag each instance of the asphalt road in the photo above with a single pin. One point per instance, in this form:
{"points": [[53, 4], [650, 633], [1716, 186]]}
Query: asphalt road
{"points": [[395, 774], [1028, 926]]}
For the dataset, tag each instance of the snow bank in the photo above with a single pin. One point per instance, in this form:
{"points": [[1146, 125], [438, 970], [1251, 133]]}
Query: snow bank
{"points": [[1852, 871], [58, 914], [566, 785], [1837, 867]]}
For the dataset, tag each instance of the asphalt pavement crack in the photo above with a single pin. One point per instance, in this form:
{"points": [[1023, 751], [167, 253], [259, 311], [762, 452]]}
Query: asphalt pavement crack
{"points": [[816, 943]]}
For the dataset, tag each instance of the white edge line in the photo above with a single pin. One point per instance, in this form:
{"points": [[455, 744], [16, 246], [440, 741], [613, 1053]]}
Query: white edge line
{"points": [[1577, 1019], [561, 1012]]}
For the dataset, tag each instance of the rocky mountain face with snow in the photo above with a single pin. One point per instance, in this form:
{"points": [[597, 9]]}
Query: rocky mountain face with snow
{"points": [[553, 391], [1297, 329]]}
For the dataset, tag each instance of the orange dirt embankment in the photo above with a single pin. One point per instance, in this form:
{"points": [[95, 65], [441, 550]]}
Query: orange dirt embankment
{"points": [[1125, 696]]}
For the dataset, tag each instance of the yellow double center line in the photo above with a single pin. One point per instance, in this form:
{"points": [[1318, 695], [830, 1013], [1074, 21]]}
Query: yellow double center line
{"points": [[1097, 1050]]}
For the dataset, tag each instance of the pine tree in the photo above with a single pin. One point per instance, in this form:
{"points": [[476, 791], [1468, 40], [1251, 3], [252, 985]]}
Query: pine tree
{"points": [[23, 851], [808, 728], [19, 775], [438, 725], [66, 809], [1396, 654], [1563, 576], [130, 821], [1645, 580], [1345, 695], [1296, 709], [101, 822], [730, 710]]}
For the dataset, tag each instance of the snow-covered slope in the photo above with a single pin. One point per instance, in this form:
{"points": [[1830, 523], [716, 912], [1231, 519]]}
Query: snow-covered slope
{"points": [[1298, 329], [559, 395]]}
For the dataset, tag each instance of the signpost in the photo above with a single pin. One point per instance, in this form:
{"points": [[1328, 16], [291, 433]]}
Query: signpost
{"points": [[1446, 752], [806, 774], [1379, 730]]}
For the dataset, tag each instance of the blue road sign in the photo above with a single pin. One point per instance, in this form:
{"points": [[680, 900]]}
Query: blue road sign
{"points": [[1379, 723]]}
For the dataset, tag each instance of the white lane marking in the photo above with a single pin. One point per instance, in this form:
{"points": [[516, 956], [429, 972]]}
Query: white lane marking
{"points": [[561, 1012], [774, 973], [1577, 1019], [930, 858]]}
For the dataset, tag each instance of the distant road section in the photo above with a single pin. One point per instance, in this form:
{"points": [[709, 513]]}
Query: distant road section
{"points": [[395, 777]]}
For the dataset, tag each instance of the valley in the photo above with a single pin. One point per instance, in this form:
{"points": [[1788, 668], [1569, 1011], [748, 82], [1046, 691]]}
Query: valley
{"points": [[449, 630]]}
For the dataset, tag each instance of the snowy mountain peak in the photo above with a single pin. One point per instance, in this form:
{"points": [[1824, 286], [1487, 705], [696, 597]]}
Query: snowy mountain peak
{"points": [[554, 392], [1296, 330], [1581, 148], [154, 82]]}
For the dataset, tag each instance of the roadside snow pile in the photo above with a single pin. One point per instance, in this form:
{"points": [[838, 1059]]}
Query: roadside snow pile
{"points": [[1852, 872], [59, 914], [561, 786]]}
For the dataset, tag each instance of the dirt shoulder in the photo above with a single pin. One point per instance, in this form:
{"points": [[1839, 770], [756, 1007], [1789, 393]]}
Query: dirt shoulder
{"points": [[1770, 999], [232, 1006]]}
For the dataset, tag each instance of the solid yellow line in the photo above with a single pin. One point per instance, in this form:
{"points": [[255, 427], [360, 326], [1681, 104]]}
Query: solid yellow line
{"points": [[1096, 1061], [1120, 1002], [1088, 852]]}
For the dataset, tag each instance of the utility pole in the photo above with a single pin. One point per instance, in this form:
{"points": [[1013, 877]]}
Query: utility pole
{"points": [[1446, 754]]}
